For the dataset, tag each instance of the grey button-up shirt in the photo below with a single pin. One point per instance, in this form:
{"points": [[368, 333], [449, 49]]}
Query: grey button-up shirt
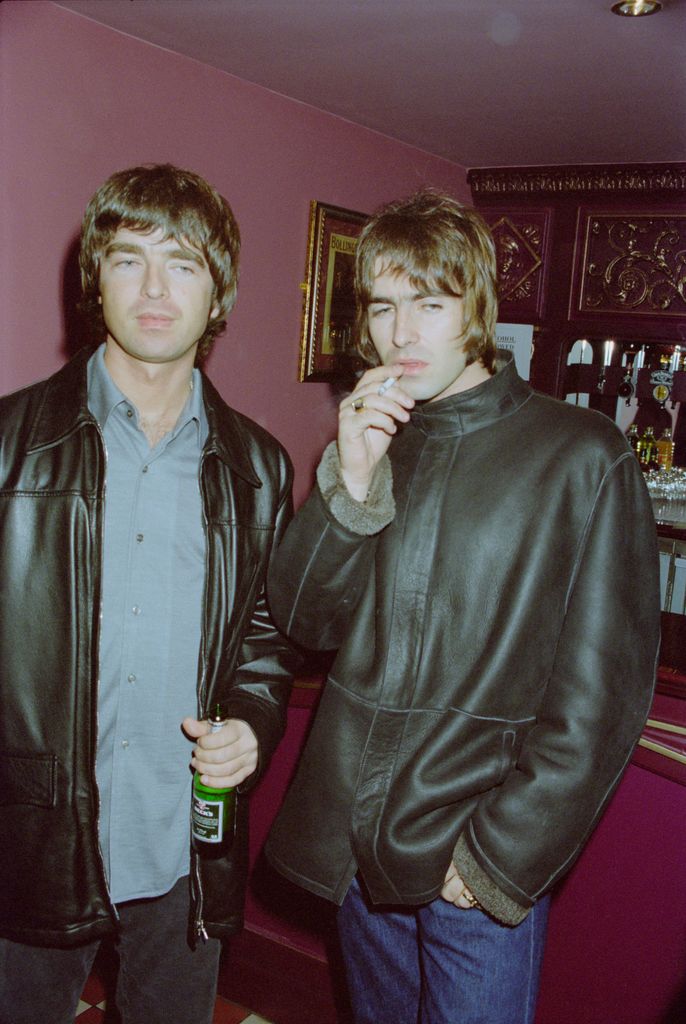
{"points": [[153, 579]]}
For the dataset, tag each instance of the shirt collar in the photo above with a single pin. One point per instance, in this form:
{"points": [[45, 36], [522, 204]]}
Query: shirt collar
{"points": [[104, 396]]}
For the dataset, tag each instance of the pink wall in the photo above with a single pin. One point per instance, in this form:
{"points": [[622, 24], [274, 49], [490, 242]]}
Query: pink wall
{"points": [[616, 951], [80, 100]]}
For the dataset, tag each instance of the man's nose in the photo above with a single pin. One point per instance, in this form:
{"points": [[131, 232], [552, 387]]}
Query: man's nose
{"points": [[154, 282], [404, 329]]}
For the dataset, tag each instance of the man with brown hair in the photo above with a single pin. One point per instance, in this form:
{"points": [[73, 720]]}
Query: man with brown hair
{"points": [[137, 518], [470, 551]]}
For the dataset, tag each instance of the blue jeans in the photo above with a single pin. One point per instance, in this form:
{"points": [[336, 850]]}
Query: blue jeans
{"points": [[161, 980], [438, 964]]}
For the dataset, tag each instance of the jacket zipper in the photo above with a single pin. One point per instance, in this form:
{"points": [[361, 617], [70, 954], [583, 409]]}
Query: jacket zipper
{"points": [[200, 930]]}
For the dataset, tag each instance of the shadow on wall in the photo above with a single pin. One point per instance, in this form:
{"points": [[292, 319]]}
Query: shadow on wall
{"points": [[676, 1014], [76, 331], [309, 912]]}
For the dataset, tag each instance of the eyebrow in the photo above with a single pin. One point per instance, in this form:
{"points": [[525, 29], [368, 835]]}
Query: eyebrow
{"points": [[413, 297], [180, 253]]}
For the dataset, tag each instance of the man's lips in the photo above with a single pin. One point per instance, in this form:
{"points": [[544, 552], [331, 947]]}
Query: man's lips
{"points": [[154, 319], [411, 366]]}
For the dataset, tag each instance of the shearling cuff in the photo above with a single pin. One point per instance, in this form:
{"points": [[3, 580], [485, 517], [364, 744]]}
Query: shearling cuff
{"points": [[492, 899], [364, 517]]}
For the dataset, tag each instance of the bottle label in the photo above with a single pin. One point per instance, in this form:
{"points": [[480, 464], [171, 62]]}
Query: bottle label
{"points": [[207, 820]]}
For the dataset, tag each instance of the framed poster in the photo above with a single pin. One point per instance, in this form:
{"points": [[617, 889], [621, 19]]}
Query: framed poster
{"points": [[326, 348]]}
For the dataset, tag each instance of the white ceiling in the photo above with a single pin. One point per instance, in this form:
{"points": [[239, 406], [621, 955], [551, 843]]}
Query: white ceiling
{"points": [[484, 83]]}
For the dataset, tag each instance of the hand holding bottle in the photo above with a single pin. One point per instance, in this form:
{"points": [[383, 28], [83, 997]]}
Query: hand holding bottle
{"points": [[225, 757]]}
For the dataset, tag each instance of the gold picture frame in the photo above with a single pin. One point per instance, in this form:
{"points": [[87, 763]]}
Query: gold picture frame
{"points": [[326, 352]]}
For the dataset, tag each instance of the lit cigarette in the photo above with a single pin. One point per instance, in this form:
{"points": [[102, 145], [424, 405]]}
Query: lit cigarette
{"points": [[386, 386]]}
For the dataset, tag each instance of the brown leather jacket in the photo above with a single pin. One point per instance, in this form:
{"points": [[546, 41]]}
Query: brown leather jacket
{"points": [[52, 477], [497, 641]]}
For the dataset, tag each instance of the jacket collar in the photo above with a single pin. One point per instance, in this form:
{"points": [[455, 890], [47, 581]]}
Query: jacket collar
{"points": [[482, 405], [63, 404], [227, 438], [64, 409]]}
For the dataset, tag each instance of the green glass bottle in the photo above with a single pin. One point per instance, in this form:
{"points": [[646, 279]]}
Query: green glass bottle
{"points": [[633, 437], [213, 809], [646, 449]]}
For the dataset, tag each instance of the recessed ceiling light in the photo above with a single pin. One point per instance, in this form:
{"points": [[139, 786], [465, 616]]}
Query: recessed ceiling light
{"points": [[636, 8]]}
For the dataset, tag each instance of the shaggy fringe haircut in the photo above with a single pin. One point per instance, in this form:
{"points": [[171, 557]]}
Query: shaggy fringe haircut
{"points": [[442, 246], [186, 208]]}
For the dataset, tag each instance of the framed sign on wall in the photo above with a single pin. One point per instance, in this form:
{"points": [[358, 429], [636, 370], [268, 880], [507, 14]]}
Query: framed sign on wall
{"points": [[326, 347]]}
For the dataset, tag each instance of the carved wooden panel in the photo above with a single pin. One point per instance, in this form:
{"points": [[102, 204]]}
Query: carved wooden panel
{"points": [[633, 179], [632, 263], [521, 242]]}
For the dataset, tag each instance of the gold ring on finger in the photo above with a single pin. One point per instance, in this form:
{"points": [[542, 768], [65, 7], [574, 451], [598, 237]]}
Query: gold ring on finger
{"points": [[358, 404]]}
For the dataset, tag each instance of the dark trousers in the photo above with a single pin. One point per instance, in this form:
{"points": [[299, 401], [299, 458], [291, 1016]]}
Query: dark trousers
{"points": [[160, 980]]}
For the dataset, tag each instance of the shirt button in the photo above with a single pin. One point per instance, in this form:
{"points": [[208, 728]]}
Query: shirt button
{"points": [[136, 610], [129, 413], [139, 537], [131, 678], [124, 744], [145, 469]]}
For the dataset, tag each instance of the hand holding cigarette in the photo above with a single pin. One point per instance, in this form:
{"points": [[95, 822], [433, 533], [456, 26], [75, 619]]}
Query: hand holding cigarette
{"points": [[367, 421], [386, 385]]}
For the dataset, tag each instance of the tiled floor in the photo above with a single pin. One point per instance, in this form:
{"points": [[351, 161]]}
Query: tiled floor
{"points": [[92, 1008]]}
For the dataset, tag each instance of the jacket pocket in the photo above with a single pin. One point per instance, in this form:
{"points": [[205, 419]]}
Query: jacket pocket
{"points": [[29, 780]]}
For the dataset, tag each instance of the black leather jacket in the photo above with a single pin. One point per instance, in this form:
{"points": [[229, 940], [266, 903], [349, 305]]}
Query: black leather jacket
{"points": [[497, 645], [52, 484]]}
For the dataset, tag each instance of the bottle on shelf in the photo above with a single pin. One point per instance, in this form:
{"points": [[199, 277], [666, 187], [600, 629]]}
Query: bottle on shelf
{"points": [[213, 808], [654, 463], [634, 438], [647, 452], [665, 450]]}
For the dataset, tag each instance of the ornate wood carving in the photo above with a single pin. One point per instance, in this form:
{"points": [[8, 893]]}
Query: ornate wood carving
{"points": [[520, 241], [634, 263], [636, 179], [648, 306]]}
